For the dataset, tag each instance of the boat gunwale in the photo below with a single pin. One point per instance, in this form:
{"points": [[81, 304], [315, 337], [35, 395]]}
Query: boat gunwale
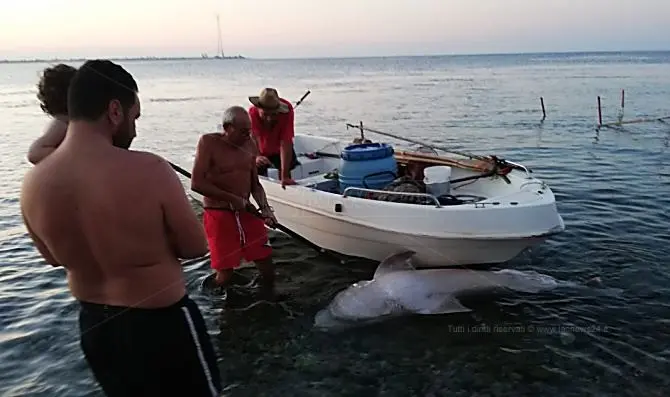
{"points": [[310, 183], [556, 229]]}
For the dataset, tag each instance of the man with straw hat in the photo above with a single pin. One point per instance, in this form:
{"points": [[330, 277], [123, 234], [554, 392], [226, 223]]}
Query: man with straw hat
{"points": [[272, 126]]}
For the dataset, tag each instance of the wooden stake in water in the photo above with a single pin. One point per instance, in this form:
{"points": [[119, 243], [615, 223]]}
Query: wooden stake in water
{"points": [[600, 113], [620, 114], [544, 113]]}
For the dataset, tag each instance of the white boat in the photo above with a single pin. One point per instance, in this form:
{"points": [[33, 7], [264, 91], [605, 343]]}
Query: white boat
{"points": [[486, 220]]}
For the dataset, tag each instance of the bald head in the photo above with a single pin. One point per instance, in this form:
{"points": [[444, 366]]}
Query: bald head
{"points": [[236, 123]]}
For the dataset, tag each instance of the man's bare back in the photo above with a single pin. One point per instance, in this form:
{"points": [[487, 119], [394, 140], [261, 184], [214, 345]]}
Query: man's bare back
{"points": [[111, 236], [117, 221], [229, 168]]}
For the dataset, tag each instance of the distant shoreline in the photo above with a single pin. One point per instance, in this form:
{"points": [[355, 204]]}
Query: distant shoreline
{"points": [[240, 57], [124, 59]]}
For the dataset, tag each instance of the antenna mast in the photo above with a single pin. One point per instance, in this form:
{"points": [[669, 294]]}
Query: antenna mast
{"points": [[219, 45]]}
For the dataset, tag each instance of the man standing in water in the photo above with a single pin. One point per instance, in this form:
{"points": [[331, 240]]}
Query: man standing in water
{"points": [[224, 172], [117, 221], [52, 94]]}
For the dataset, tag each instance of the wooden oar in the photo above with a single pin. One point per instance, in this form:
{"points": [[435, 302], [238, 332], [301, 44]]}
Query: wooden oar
{"points": [[255, 211], [403, 156], [180, 170], [302, 99]]}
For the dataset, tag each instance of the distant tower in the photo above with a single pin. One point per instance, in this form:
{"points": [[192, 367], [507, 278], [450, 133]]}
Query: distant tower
{"points": [[219, 45]]}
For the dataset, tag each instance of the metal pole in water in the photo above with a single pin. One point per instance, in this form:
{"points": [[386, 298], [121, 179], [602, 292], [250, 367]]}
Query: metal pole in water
{"points": [[544, 113]]}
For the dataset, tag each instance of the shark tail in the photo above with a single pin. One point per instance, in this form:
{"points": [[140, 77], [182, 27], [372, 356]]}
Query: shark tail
{"points": [[526, 281]]}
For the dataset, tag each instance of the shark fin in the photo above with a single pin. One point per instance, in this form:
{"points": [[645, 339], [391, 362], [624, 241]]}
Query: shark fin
{"points": [[400, 261], [442, 304]]}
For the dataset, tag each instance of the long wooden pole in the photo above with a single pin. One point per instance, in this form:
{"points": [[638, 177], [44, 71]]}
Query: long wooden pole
{"points": [[600, 113], [469, 155]]}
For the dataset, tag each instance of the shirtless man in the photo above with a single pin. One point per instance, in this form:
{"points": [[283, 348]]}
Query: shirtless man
{"points": [[52, 94], [117, 221], [224, 172]]}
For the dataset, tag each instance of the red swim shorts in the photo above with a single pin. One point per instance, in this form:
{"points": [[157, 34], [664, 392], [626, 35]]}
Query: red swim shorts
{"points": [[235, 235]]}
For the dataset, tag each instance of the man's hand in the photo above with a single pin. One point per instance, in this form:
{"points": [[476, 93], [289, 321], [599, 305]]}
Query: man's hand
{"points": [[268, 217], [262, 160], [287, 181]]}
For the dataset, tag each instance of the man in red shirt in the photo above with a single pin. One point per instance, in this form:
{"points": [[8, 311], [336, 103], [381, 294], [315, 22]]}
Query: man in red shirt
{"points": [[272, 128]]}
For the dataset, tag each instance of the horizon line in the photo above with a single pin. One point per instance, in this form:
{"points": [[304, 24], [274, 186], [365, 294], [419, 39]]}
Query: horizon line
{"points": [[241, 57]]}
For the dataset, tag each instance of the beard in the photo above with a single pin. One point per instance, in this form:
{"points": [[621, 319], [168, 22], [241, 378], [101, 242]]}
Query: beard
{"points": [[123, 136]]}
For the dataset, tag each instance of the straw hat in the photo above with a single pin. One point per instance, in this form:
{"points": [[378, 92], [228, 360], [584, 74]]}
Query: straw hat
{"points": [[269, 100]]}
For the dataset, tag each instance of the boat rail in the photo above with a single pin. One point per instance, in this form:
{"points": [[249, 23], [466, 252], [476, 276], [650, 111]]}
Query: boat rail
{"points": [[523, 167], [360, 189]]}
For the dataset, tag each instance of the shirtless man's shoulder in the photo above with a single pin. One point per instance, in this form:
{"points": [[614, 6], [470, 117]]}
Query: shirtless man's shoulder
{"points": [[207, 143], [148, 169], [209, 138], [149, 161]]}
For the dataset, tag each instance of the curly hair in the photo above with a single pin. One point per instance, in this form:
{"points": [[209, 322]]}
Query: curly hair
{"points": [[52, 89]]}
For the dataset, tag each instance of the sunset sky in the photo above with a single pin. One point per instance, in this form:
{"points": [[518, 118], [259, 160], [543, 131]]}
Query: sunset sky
{"points": [[319, 28]]}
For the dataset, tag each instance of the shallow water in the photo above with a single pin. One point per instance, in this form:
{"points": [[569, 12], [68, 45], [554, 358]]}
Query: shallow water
{"points": [[612, 188]]}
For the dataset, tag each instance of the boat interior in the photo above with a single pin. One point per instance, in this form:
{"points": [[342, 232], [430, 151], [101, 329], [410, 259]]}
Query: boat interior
{"points": [[471, 181]]}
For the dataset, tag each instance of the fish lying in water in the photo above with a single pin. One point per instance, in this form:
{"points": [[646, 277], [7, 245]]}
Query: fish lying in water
{"points": [[398, 289]]}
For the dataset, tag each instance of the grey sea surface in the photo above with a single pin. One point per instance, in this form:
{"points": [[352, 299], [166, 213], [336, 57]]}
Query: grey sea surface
{"points": [[612, 189]]}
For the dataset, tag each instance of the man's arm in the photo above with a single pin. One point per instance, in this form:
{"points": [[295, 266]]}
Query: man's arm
{"points": [[258, 193], [286, 145], [185, 232], [255, 131], [48, 142], [200, 183]]}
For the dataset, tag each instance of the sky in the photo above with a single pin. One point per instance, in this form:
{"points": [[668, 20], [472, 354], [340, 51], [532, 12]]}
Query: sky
{"points": [[327, 28]]}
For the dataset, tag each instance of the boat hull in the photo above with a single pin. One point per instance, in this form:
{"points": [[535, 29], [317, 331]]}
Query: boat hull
{"points": [[349, 236], [351, 239]]}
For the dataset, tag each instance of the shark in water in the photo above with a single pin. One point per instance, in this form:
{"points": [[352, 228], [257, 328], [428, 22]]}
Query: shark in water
{"points": [[398, 288]]}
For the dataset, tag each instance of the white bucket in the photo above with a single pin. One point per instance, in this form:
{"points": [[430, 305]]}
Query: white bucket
{"points": [[436, 179], [273, 173]]}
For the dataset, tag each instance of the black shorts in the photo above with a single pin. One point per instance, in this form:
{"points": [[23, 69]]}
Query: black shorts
{"points": [[149, 352], [275, 161]]}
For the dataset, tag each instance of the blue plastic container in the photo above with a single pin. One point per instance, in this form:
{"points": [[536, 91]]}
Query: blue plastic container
{"points": [[367, 165]]}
